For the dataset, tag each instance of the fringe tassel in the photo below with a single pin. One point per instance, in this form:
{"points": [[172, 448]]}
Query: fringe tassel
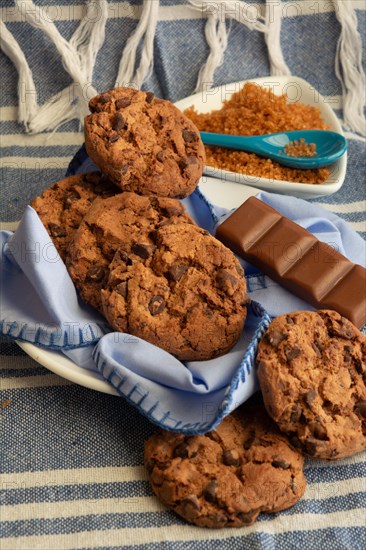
{"points": [[58, 109], [216, 33], [145, 29], [272, 37], [216, 36], [78, 58], [26, 89], [79, 54], [90, 34], [348, 67], [72, 102]]}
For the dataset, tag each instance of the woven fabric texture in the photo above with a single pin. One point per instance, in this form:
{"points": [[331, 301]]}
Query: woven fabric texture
{"points": [[71, 457]]}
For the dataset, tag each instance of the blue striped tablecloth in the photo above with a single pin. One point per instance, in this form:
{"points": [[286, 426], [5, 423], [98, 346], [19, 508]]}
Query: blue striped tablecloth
{"points": [[71, 458]]}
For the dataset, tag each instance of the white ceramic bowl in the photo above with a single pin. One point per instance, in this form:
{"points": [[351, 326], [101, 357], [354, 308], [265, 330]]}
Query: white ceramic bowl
{"points": [[297, 89]]}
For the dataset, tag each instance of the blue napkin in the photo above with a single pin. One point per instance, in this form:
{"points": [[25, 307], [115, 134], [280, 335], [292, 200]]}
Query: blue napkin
{"points": [[40, 305]]}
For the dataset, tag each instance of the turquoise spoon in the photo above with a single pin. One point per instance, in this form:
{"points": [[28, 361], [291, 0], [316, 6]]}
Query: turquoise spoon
{"points": [[330, 146]]}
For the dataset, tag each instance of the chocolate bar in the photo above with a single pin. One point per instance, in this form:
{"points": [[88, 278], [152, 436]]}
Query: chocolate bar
{"points": [[296, 259]]}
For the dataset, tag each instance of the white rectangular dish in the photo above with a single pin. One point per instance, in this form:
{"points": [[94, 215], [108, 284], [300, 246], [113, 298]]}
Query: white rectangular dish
{"points": [[296, 89]]}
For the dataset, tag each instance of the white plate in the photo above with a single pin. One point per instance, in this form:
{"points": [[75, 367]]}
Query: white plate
{"points": [[59, 364], [225, 194], [297, 90]]}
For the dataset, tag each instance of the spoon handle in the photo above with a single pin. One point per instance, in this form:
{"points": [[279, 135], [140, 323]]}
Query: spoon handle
{"points": [[241, 143]]}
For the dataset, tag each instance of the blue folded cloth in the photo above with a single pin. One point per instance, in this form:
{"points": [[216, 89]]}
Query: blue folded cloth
{"points": [[40, 305], [39, 300]]}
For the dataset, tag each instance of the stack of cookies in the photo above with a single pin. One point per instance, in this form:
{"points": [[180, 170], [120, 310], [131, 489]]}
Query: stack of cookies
{"points": [[130, 247]]}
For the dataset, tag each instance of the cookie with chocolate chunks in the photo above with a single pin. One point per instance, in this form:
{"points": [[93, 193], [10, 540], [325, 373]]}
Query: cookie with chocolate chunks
{"points": [[143, 143], [312, 373], [228, 476], [62, 206], [185, 293], [125, 222]]}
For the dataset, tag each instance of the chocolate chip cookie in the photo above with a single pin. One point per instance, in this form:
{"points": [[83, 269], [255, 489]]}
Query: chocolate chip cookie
{"points": [[312, 372], [143, 143], [228, 476], [186, 293], [62, 206], [124, 222]]}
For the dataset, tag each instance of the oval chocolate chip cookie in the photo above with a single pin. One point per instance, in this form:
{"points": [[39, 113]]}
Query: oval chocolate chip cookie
{"points": [[228, 476], [127, 222], [62, 206], [312, 373], [143, 143], [185, 294]]}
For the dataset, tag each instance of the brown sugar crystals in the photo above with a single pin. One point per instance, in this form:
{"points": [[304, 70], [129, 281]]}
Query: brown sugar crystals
{"points": [[299, 148], [254, 110]]}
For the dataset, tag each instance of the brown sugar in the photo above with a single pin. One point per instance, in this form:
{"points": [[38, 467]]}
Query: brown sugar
{"points": [[299, 148], [254, 110]]}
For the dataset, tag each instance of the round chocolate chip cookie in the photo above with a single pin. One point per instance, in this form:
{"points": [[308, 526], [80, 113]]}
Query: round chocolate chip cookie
{"points": [[62, 206], [186, 294], [144, 144], [126, 221], [312, 373], [228, 476]]}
